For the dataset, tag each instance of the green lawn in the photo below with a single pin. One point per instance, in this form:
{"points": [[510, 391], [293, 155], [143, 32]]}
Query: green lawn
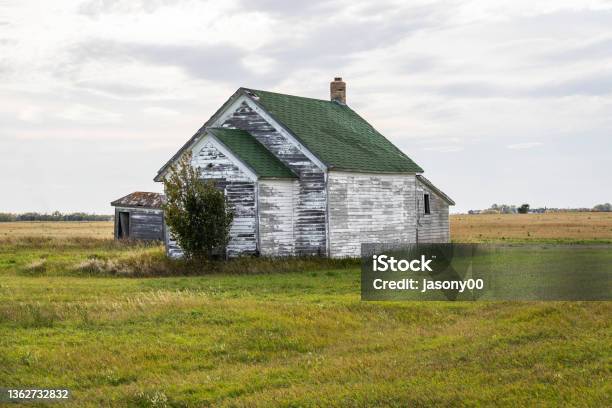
{"points": [[288, 339]]}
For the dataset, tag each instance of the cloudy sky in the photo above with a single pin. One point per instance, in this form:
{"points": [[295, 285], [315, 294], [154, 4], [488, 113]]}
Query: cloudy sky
{"points": [[499, 101]]}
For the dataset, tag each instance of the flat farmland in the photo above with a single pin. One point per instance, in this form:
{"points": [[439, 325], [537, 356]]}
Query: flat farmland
{"points": [[64, 229], [552, 227], [591, 226]]}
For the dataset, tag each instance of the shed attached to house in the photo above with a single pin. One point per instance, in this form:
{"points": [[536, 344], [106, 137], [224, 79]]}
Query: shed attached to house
{"points": [[139, 216], [432, 212]]}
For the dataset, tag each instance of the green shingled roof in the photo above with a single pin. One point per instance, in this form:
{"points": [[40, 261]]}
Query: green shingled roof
{"points": [[252, 153], [337, 135]]}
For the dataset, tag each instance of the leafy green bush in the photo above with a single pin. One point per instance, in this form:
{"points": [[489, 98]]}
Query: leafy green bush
{"points": [[195, 211]]}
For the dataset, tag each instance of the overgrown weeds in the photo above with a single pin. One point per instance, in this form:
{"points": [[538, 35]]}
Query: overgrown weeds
{"points": [[89, 256], [153, 262], [67, 243]]}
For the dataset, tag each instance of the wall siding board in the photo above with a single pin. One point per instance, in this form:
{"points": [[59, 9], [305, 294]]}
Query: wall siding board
{"points": [[433, 227], [310, 193], [370, 208], [276, 224]]}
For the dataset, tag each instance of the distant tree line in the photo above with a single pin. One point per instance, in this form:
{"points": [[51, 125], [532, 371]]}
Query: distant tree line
{"points": [[607, 207], [525, 208], [498, 209], [54, 216]]}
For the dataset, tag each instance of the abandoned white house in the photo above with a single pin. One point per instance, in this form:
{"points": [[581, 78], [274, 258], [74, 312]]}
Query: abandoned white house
{"points": [[139, 216], [311, 177]]}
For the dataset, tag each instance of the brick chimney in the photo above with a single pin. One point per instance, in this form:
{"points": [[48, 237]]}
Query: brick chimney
{"points": [[337, 90]]}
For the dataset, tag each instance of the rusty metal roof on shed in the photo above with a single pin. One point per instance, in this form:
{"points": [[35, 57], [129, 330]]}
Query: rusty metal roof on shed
{"points": [[140, 199]]}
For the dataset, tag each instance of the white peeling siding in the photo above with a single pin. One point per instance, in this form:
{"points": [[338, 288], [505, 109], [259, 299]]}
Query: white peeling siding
{"points": [[243, 232], [369, 208], [433, 227], [310, 199], [214, 164], [276, 217]]}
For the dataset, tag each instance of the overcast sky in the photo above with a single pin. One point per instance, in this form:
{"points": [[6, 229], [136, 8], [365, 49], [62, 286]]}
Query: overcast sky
{"points": [[504, 102]]}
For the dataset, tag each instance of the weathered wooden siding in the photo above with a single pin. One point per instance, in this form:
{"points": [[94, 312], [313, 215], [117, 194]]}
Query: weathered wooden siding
{"points": [[276, 235], [369, 208], [310, 194], [243, 233], [145, 224], [433, 227], [239, 189]]}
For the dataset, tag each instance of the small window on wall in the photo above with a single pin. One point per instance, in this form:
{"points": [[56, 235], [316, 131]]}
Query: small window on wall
{"points": [[426, 201]]}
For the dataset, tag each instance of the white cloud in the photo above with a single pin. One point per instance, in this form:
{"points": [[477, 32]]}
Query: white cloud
{"points": [[159, 111], [444, 149], [29, 114], [259, 64], [88, 115], [522, 146]]}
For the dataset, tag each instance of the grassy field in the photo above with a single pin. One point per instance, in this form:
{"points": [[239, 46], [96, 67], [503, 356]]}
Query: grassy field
{"points": [[279, 339]]}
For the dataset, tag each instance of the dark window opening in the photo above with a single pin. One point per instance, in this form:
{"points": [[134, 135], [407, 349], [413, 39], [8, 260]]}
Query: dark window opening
{"points": [[123, 225], [426, 201]]}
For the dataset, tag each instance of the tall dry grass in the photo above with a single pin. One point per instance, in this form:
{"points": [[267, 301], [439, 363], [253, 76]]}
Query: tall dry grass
{"points": [[153, 262], [64, 229]]}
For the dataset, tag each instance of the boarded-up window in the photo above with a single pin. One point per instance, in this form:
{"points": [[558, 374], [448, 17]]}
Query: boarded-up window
{"points": [[426, 201]]}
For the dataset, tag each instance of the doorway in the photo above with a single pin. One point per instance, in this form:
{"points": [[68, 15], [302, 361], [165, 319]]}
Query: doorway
{"points": [[123, 225]]}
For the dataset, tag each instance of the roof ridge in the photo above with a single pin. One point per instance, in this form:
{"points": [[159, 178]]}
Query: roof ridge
{"points": [[293, 96]]}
